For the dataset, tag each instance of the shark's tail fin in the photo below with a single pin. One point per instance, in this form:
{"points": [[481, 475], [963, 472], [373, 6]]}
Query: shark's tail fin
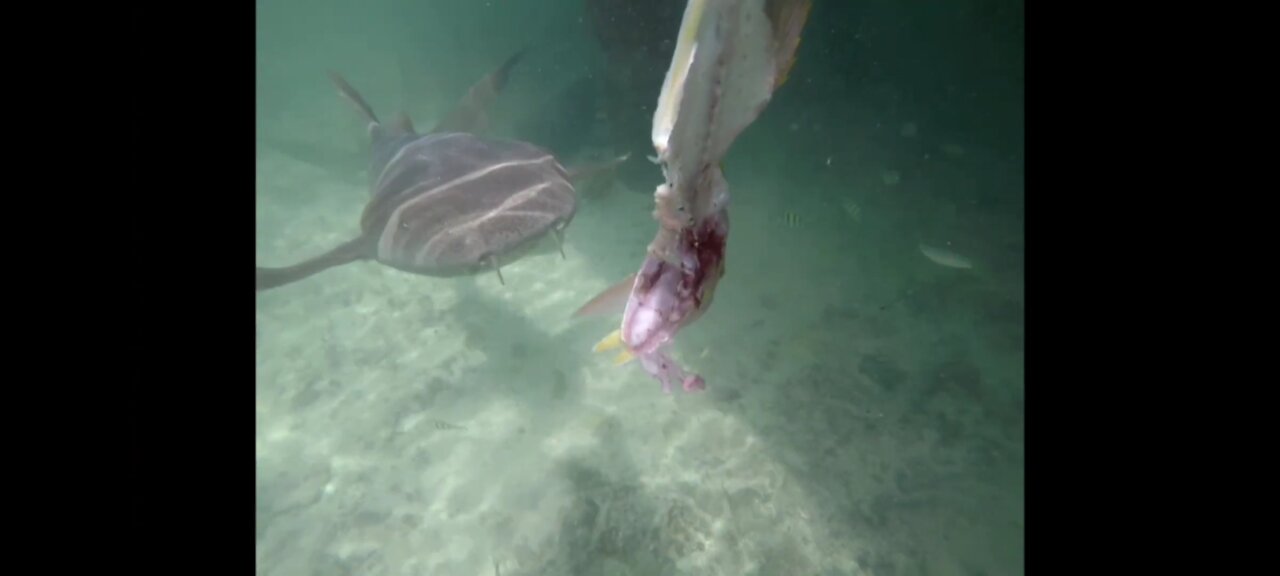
{"points": [[347, 253]]}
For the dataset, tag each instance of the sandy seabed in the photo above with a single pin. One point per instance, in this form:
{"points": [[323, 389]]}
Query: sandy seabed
{"points": [[863, 413]]}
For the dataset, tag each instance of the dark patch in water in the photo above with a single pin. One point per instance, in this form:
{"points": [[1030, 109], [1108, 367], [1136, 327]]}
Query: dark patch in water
{"points": [[879, 326], [367, 518], [958, 377], [473, 336], [559, 384], [950, 430], [726, 394], [770, 357], [421, 457], [902, 481], [411, 520], [1009, 418], [313, 392], [427, 398], [871, 516], [999, 310], [930, 299], [769, 302], [883, 566], [305, 398], [841, 314], [882, 371]]}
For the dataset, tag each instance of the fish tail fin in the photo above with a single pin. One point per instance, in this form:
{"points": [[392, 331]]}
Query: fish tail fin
{"points": [[623, 357], [351, 251], [613, 341], [788, 18], [578, 173]]}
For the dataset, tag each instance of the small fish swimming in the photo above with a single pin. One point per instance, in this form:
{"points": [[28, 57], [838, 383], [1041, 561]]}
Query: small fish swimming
{"points": [[791, 219], [852, 209], [944, 257], [442, 425]]}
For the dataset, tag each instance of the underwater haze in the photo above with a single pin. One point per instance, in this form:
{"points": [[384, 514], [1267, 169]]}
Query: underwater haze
{"points": [[863, 360]]}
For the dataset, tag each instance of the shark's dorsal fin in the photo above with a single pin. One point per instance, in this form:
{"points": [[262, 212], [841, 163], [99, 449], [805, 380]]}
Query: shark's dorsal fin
{"points": [[469, 114], [402, 124]]}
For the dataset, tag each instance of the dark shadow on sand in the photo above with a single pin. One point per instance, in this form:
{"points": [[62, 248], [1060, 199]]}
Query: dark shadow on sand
{"points": [[611, 518]]}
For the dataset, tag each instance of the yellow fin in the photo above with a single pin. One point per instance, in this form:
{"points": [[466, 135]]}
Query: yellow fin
{"points": [[613, 340]]}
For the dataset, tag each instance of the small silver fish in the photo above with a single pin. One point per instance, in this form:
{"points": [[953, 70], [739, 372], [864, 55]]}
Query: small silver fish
{"points": [[944, 257]]}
